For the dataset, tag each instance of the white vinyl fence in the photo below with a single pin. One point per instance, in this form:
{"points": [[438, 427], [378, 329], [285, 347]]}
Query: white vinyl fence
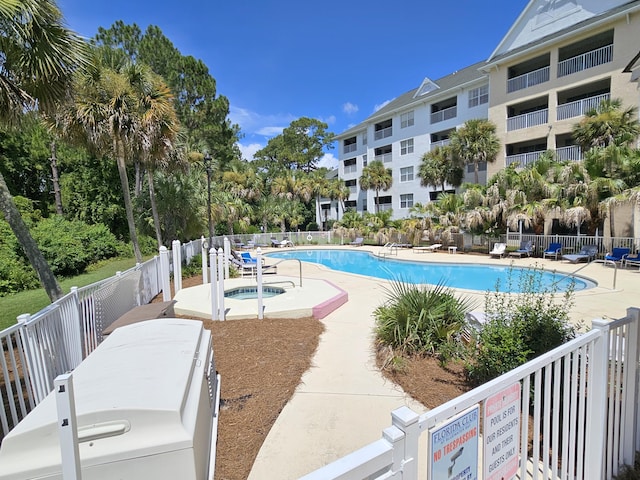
{"points": [[578, 416]]}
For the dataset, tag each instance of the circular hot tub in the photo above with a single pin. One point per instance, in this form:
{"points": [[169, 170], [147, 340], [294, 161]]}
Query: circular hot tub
{"points": [[248, 293]]}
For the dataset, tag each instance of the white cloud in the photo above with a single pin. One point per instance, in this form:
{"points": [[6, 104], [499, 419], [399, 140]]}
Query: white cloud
{"points": [[349, 108], [382, 105], [328, 161], [249, 150], [330, 120], [270, 131], [253, 123]]}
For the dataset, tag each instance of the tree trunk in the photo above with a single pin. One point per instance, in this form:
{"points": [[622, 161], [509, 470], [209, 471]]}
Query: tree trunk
{"points": [[20, 230], [154, 208], [137, 188], [475, 171], [377, 201], [55, 179], [122, 170]]}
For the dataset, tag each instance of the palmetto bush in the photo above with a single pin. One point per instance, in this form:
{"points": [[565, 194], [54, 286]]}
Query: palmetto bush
{"points": [[420, 319]]}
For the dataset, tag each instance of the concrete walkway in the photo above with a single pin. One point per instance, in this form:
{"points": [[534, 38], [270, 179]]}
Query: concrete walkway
{"points": [[344, 403]]}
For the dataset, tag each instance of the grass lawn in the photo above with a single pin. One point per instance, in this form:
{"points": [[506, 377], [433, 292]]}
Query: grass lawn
{"points": [[32, 301]]}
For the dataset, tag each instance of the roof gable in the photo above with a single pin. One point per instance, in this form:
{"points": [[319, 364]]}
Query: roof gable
{"points": [[542, 18]]}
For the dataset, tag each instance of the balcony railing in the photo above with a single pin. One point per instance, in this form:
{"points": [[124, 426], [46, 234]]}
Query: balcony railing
{"points": [[385, 157], [524, 159], [350, 148], [444, 114], [384, 133], [531, 119], [590, 59], [440, 143], [580, 107], [350, 168], [528, 79], [353, 189], [571, 153]]}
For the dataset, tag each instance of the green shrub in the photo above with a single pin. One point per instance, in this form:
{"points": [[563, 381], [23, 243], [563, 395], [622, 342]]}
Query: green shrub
{"points": [[419, 319], [520, 326], [69, 246]]}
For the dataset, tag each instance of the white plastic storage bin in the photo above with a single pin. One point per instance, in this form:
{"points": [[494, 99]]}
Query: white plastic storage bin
{"points": [[146, 407]]}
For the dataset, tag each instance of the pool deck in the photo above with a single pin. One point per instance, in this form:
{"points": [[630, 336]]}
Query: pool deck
{"points": [[343, 402]]}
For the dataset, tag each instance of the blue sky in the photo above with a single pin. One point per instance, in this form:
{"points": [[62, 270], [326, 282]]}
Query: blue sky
{"points": [[337, 61]]}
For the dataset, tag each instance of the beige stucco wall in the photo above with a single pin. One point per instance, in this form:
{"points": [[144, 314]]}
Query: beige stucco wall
{"points": [[625, 48]]}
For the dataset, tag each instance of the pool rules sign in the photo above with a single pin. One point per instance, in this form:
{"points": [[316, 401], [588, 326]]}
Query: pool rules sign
{"points": [[502, 434]]}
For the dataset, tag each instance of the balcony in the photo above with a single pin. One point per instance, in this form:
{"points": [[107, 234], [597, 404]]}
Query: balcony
{"points": [[539, 117], [350, 148], [580, 107], [586, 60], [528, 79], [524, 159], [384, 133], [385, 157], [444, 114], [571, 153], [350, 168], [440, 143]]}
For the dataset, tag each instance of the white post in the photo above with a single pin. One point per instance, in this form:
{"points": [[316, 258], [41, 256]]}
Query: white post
{"points": [[221, 277], [205, 266], [596, 427], [214, 285], [407, 420], [164, 274], [227, 253], [67, 427], [631, 370], [177, 265], [259, 280]]}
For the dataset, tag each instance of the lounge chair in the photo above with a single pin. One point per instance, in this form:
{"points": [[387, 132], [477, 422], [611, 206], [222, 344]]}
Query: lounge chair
{"points": [[247, 259], [499, 250], [358, 242], [617, 254], [428, 248], [553, 250], [237, 243], [526, 248], [586, 253], [631, 259], [281, 243]]}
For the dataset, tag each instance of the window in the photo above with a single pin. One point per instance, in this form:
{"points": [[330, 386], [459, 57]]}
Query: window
{"points": [[364, 160], [406, 174], [478, 96], [384, 203], [406, 119], [382, 130], [351, 184], [364, 138], [406, 200], [406, 146], [350, 204], [350, 166], [349, 145], [383, 154], [482, 167]]}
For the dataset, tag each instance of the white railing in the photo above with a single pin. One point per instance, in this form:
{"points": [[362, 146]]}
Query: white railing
{"points": [[528, 79], [350, 168], [571, 153], [444, 114], [524, 159], [383, 133], [440, 143], [385, 157], [579, 400], [350, 148], [586, 60], [580, 107], [531, 119]]}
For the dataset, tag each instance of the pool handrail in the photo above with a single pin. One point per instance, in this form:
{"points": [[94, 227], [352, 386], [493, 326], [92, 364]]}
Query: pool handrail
{"points": [[288, 259], [596, 260]]}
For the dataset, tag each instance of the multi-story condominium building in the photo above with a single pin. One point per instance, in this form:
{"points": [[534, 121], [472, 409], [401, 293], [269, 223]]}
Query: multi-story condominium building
{"points": [[401, 132], [558, 60]]}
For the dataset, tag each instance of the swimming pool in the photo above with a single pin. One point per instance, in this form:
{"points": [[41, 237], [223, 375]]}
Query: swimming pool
{"points": [[251, 293], [454, 275]]}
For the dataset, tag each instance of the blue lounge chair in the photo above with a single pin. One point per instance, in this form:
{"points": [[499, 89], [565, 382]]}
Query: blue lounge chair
{"points": [[617, 254], [526, 248], [247, 259], [553, 250], [586, 253], [631, 259]]}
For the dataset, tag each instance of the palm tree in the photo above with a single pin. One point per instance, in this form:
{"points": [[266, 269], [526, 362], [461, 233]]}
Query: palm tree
{"points": [[607, 124], [376, 176], [39, 56], [437, 168], [475, 142]]}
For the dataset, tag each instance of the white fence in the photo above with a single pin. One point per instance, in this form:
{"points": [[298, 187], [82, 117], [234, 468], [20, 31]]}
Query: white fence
{"points": [[578, 415]]}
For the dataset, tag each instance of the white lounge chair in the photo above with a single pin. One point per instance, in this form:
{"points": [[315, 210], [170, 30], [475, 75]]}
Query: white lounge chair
{"points": [[499, 250], [429, 248]]}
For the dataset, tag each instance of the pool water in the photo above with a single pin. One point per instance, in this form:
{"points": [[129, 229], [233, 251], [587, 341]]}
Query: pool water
{"points": [[250, 293], [465, 276]]}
